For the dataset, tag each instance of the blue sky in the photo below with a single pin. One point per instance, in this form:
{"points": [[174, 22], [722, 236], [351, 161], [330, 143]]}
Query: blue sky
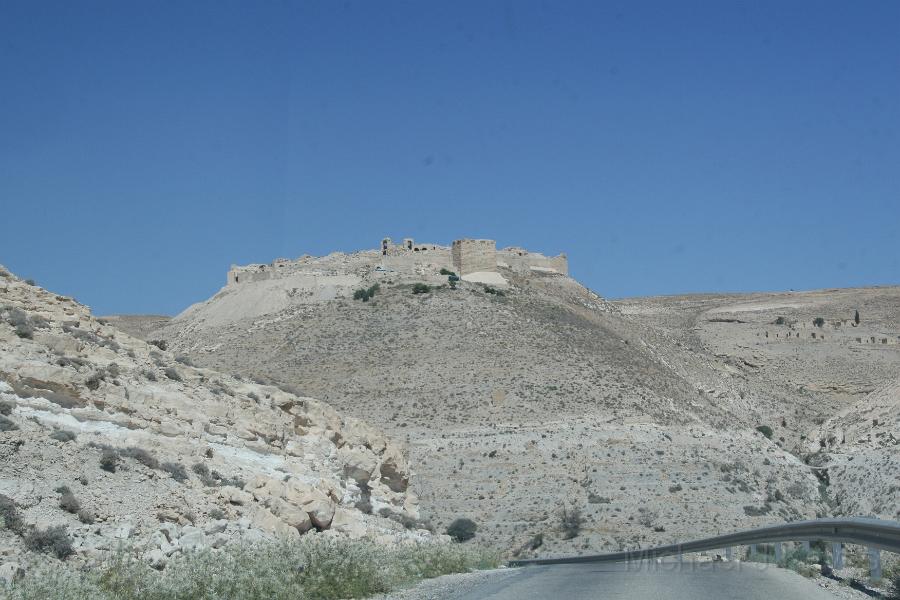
{"points": [[668, 147]]}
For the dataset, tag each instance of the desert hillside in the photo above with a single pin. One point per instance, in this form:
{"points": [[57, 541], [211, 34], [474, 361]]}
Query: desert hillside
{"points": [[526, 399], [108, 440]]}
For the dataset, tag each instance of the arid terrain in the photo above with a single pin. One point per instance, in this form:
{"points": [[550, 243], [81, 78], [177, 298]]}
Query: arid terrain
{"points": [[527, 404], [108, 441]]}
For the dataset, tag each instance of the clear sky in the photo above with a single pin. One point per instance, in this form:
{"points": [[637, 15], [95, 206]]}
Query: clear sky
{"points": [[667, 146]]}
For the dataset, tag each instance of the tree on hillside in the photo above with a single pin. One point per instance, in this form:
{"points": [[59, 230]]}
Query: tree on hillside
{"points": [[856, 318]]}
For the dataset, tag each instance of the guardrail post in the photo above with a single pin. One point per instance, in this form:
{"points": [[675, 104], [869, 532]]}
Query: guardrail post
{"points": [[729, 556], [779, 552], [874, 564], [837, 555]]}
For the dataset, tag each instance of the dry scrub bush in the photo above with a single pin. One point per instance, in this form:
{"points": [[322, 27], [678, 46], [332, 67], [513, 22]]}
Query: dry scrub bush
{"points": [[315, 567]]}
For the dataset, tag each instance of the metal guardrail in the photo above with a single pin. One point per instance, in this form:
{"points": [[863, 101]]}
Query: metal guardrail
{"points": [[874, 533]]}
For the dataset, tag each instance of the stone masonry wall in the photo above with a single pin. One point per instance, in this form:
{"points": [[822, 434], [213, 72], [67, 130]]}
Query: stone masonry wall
{"points": [[470, 256]]}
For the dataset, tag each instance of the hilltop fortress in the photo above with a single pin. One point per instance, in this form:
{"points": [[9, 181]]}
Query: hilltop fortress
{"points": [[472, 260]]}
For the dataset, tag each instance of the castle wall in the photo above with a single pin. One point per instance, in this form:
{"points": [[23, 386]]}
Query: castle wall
{"points": [[470, 256], [522, 261]]}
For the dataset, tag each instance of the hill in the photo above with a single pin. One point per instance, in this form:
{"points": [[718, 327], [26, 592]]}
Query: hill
{"points": [[525, 400]]}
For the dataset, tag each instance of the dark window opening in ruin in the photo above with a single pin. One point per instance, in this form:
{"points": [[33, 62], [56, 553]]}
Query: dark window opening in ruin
{"points": [[235, 278], [384, 252], [409, 244]]}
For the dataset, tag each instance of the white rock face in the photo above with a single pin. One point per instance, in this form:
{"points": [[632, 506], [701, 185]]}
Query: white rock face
{"points": [[166, 456]]}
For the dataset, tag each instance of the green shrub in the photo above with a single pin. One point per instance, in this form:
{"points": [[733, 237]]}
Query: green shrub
{"points": [[63, 435], [314, 567], [856, 317], [53, 539], [69, 503], [203, 472], [142, 456], [184, 360], [490, 290], [819, 322], [765, 430], [421, 288], [109, 460], [571, 522], [445, 271], [780, 321], [93, 382], [6, 408], [7, 425], [161, 344], [9, 515], [365, 294], [172, 374], [176, 470], [86, 517], [462, 530]]}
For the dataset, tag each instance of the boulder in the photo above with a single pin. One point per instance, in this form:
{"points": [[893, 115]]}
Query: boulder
{"points": [[10, 572], [359, 463], [192, 538], [267, 521], [291, 514], [236, 496], [348, 522], [156, 558], [394, 470]]}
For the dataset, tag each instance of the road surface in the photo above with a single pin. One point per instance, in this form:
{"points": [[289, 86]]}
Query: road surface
{"points": [[664, 581]]}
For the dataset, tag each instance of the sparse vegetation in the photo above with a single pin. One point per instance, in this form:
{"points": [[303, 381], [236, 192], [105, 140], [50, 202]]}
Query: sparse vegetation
{"points": [[161, 344], [780, 321], [7, 425], [819, 321], [314, 567], [421, 288], [595, 499], [462, 530], [571, 521], [445, 271], [69, 503], [63, 435], [491, 290], [6, 408], [204, 474], [172, 374], [765, 430], [142, 456], [757, 511], [54, 540], [365, 294], [93, 382], [176, 470], [109, 460], [9, 515]]}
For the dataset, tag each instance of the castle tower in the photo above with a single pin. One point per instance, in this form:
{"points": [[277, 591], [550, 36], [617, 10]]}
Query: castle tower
{"points": [[471, 256]]}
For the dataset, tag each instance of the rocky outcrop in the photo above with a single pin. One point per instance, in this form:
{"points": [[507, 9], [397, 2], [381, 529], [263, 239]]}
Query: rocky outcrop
{"points": [[110, 438]]}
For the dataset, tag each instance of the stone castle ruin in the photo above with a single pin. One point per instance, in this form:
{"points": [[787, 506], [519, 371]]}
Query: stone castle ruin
{"points": [[478, 260]]}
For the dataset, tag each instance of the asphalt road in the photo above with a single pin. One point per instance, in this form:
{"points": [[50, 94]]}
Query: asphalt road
{"points": [[665, 581]]}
